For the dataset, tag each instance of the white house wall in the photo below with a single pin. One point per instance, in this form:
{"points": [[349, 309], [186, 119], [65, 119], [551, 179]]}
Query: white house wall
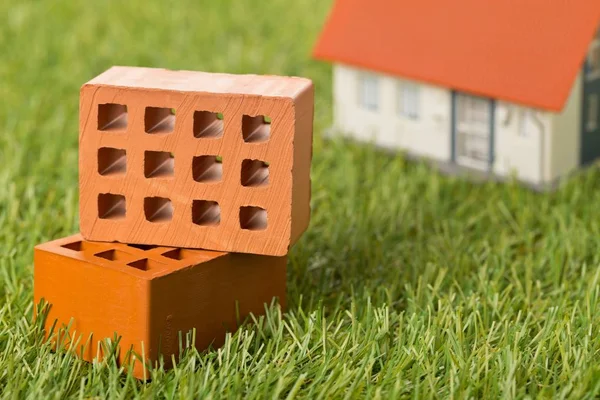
{"points": [[521, 146], [565, 154], [550, 146], [427, 136], [537, 151]]}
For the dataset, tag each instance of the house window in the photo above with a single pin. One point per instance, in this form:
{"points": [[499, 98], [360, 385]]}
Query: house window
{"points": [[408, 100], [368, 92], [594, 61], [473, 109], [525, 123], [592, 119]]}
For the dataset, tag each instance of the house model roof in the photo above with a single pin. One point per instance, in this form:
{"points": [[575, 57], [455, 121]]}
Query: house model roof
{"points": [[524, 51]]}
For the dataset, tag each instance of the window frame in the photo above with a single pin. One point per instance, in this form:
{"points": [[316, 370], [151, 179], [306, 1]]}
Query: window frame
{"points": [[523, 130], [368, 92], [408, 100]]}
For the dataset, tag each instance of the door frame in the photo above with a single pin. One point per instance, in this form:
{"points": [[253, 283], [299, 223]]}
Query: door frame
{"points": [[589, 149], [454, 126]]}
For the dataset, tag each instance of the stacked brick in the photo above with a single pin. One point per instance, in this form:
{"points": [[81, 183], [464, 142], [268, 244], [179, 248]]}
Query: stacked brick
{"points": [[193, 187]]}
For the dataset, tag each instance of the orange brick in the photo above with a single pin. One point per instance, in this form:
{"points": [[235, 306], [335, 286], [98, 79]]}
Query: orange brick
{"points": [[147, 296], [159, 166]]}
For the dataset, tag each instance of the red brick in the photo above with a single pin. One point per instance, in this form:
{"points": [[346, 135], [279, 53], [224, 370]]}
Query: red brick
{"points": [[148, 296], [189, 179]]}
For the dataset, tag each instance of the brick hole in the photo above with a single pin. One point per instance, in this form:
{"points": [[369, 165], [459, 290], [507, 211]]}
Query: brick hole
{"points": [[253, 218], [178, 254], [113, 255], [140, 264], [159, 120], [111, 161], [158, 209], [207, 168], [256, 129], [112, 117], [208, 125], [81, 245], [144, 247], [255, 173], [111, 206], [75, 246], [206, 212], [159, 164], [145, 264]]}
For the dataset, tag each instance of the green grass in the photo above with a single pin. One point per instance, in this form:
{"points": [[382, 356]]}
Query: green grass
{"points": [[407, 284]]}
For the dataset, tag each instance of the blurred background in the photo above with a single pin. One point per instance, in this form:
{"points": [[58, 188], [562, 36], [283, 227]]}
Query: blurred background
{"points": [[456, 285]]}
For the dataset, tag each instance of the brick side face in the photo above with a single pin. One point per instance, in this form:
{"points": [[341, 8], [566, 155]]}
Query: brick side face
{"points": [[213, 169]]}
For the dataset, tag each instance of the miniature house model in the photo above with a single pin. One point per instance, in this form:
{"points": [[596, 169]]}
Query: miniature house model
{"points": [[510, 88]]}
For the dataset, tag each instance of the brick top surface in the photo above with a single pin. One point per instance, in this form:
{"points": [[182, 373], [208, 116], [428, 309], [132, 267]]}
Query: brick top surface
{"points": [[146, 262], [192, 81]]}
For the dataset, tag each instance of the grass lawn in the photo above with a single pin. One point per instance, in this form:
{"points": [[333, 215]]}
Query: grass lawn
{"points": [[407, 283]]}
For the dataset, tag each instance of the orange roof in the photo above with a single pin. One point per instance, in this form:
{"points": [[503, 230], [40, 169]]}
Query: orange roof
{"points": [[523, 51]]}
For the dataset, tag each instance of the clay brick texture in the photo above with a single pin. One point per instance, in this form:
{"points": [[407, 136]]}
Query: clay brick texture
{"points": [[196, 160], [148, 294]]}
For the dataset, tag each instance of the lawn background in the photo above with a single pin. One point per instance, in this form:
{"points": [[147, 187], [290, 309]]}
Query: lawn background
{"points": [[407, 283]]}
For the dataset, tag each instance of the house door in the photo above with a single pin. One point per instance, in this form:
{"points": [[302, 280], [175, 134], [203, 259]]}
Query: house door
{"points": [[473, 131], [590, 128]]}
